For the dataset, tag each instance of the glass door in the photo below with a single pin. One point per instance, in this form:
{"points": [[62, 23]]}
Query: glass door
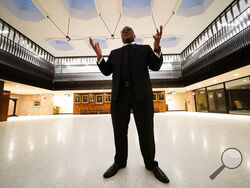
{"points": [[217, 99], [211, 101], [220, 101]]}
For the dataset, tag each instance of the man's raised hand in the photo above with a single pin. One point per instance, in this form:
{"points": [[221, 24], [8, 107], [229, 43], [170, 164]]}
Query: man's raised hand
{"points": [[158, 34], [96, 48], [157, 38]]}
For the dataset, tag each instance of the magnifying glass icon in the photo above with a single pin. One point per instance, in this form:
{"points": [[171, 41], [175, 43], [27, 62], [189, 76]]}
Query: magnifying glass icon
{"points": [[231, 158]]}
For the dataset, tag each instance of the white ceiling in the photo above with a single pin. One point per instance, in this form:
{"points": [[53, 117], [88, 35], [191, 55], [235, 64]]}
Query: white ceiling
{"points": [[186, 28]]}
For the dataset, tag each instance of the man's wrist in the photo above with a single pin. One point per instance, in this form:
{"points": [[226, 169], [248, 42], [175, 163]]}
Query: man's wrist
{"points": [[158, 50], [99, 61], [99, 57]]}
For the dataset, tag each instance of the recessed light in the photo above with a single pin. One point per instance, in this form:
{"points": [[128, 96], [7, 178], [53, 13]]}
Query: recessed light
{"points": [[17, 86], [244, 80], [236, 74], [214, 81]]}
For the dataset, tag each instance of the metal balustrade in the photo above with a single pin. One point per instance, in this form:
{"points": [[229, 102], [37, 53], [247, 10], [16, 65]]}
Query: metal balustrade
{"points": [[88, 64], [231, 21], [239, 24], [18, 38], [11, 47]]}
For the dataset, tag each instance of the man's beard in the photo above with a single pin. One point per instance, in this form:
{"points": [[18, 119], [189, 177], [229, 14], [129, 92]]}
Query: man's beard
{"points": [[128, 40]]}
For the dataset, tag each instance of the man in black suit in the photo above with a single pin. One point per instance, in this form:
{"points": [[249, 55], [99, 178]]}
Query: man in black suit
{"points": [[131, 89]]}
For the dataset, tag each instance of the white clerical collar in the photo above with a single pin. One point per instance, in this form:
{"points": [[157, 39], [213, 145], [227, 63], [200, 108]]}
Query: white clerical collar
{"points": [[129, 43]]}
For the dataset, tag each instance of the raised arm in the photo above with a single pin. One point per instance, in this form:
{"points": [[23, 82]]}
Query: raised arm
{"points": [[155, 58], [104, 66]]}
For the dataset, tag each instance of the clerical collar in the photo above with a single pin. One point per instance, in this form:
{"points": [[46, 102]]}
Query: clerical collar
{"points": [[129, 43]]}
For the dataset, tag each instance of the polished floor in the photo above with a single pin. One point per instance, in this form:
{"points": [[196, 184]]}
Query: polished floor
{"points": [[74, 151]]}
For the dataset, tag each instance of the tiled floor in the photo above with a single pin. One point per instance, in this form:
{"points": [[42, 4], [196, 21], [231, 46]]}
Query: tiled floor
{"points": [[74, 151]]}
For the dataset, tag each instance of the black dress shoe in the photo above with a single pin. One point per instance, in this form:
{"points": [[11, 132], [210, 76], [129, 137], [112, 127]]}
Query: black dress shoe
{"points": [[112, 170], [159, 174]]}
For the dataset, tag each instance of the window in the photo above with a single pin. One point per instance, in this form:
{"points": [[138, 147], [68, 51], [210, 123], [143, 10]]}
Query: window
{"points": [[238, 92]]}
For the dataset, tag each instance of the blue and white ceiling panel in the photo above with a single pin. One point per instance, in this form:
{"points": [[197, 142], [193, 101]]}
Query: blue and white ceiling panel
{"points": [[136, 8], [23, 9], [102, 43], [138, 40], [170, 42], [82, 9], [190, 8], [60, 45]]}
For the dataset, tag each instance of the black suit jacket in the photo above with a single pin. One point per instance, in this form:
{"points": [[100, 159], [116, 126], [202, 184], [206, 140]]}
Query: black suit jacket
{"points": [[143, 58]]}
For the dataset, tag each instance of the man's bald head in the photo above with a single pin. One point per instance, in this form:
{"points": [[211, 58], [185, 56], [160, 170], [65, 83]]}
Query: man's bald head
{"points": [[127, 35]]}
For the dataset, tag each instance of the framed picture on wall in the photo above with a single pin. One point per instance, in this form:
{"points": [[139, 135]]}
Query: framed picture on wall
{"points": [[161, 97], [108, 98], [85, 99], [155, 97], [99, 99], [77, 99], [91, 98], [37, 104]]}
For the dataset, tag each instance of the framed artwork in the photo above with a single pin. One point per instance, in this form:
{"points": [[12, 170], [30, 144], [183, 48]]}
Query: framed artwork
{"points": [[108, 98], [91, 98], [155, 97], [77, 99], [161, 97], [85, 99], [37, 104], [99, 99]]}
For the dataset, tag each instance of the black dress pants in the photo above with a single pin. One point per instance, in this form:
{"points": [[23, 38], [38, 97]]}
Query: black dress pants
{"points": [[143, 111]]}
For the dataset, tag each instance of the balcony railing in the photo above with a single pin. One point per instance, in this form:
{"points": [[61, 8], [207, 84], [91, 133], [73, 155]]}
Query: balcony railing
{"points": [[11, 47], [230, 22]]}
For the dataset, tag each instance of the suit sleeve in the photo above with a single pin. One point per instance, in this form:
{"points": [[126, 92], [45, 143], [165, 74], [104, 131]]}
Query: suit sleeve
{"points": [[154, 62], [106, 66]]}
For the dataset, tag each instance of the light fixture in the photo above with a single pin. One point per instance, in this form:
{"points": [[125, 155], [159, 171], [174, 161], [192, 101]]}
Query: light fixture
{"points": [[244, 80], [214, 81], [236, 74], [173, 92], [17, 86]]}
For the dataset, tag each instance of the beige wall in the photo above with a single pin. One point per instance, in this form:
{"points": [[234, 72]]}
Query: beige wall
{"points": [[190, 101], [25, 105], [176, 102]]}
